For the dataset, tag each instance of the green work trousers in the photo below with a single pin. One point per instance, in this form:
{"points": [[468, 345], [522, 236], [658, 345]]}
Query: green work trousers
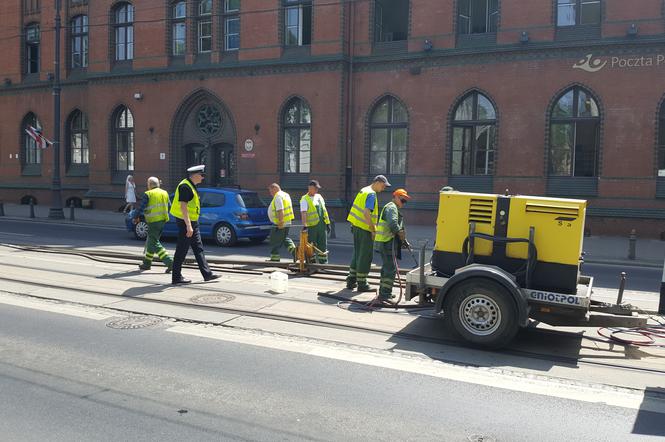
{"points": [[154, 247], [278, 238], [388, 268], [362, 258], [318, 236]]}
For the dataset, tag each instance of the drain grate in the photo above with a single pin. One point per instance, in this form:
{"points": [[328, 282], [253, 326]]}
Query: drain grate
{"points": [[212, 299], [481, 438], [134, 322]]}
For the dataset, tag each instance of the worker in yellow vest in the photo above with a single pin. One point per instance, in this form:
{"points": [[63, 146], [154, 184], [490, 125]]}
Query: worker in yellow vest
{"points": [[389, 240], [280, 213], [315, 219], [155, 209], [363, 217], [185, 209]]}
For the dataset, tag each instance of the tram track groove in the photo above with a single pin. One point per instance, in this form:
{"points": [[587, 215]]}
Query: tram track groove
{"points": [[239, 312]]}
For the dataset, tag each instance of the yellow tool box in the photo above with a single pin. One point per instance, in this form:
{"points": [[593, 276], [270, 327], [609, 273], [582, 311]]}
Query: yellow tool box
{"points": [[537, 239]]}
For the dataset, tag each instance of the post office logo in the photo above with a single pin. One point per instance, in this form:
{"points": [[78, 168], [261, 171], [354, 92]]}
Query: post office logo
{"points": [[590, 64]]}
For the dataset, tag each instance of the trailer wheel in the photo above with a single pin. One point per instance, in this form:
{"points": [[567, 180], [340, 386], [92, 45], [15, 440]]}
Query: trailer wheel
{"points": [[482, 312]]}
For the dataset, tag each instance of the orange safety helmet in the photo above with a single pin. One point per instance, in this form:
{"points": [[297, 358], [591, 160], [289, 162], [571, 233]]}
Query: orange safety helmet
{"points": [[401, 193]]}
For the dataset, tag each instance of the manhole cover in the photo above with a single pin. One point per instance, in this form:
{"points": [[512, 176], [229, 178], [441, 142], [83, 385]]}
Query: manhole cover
{"points": [[481, 438], [133, 322], [212, 299]]}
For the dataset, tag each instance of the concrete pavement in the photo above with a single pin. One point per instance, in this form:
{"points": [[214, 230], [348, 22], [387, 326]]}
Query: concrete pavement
{"points": [[598, 249]]}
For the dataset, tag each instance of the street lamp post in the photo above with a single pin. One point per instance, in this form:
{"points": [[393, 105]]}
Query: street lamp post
{"points": [[56, 211]]}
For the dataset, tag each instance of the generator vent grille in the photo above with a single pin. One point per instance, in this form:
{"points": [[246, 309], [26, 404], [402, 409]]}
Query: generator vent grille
{"points": [[481, 210]]}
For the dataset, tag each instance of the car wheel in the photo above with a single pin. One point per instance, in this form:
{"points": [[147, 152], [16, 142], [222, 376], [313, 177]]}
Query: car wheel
{"points": [[258, 240], [141, 230], [224, 235], [482, 313]]}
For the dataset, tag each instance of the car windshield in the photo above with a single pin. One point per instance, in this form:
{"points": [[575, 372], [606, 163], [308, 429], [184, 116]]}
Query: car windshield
{"points": [[250, 200]]}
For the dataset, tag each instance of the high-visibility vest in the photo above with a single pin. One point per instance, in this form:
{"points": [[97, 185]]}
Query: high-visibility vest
{"points": [[312, 214], [193, 205], [158, 206], [356, 215], [383, 232], [288, 207]]}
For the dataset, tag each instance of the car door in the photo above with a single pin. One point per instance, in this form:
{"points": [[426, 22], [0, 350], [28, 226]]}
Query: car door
{"points": [[212, 203]]}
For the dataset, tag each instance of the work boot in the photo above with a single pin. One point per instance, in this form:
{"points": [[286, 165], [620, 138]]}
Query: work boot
{"points": [[168, 269], [364, 288], [144, 267], [351, 284]]}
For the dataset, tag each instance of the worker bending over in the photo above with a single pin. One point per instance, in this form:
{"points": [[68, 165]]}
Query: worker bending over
{"points": [[280, 214], [155, 209], [389, 240], [315, 220], [363, 217]]}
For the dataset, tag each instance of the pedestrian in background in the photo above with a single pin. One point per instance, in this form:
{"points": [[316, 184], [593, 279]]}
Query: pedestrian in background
{"points": [[280, 213], [186, 208], [130, 194], [315, 220], [363, 217], [389, 240], [155, 209]]}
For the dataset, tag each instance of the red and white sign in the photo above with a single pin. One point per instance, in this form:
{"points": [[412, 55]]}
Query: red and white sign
{"points": [[36, 134]]}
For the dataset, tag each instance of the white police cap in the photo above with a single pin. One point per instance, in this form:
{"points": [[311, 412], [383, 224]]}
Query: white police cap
{"points": [[197, 169]]}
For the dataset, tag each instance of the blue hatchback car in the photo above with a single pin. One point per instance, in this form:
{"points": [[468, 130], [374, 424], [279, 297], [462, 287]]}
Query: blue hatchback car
{"points": [[227, 214]]}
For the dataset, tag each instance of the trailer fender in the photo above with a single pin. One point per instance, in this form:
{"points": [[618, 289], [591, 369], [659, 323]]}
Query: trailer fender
{"points": [[493, 273]]}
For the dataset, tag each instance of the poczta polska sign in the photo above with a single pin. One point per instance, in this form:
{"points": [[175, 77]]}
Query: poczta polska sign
{"points": [[595, 64]]}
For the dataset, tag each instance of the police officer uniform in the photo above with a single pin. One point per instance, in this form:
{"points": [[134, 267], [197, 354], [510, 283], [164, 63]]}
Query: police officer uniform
{"points": [[186, 192]]}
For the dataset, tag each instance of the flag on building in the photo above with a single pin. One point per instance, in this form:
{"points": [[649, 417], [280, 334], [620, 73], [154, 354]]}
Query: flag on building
{"points": [[36, 134]]}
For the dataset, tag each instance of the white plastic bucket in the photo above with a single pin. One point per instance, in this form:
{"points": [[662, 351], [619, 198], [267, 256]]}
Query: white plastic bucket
{"points": [[279, 282]]}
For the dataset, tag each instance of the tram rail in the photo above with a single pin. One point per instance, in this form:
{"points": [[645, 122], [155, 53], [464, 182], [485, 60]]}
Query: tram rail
{"points": [[103, 256]]}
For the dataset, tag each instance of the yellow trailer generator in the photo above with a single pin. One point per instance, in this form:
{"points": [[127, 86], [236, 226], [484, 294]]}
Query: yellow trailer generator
{"points": [[495, 230], [500, 260]]}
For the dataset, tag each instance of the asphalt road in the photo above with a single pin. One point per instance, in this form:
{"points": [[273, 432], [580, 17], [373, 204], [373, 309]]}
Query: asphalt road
{"points": [[65, 378], [45, 233]]}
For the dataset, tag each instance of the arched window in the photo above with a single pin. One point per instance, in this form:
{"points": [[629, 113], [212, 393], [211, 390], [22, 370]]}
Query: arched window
{"points": [[205, 26], [389, 124], [297, 121], [32, 153], [123, 33], [123, 131], [574, 134], [661, 140], [473, 136], [32, 39], [178, 28], [79, 42], [79, 149]]}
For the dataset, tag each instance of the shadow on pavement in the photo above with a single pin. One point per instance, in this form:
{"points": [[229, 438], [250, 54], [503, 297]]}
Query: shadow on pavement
{"points": [[152, 289], [650, 422]]}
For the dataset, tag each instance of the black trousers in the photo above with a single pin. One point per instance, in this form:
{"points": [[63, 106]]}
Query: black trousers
{"points": [[182, 248]]}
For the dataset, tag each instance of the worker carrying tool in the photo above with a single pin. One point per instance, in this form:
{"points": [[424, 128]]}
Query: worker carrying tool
{"points": [[363, 217], [389, 240], [280, 213], [315, 220], [155, 209], [186, 209]]}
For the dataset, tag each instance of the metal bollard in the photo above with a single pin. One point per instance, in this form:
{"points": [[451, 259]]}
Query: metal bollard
{"points": [[32, 208], [622, 287], [2, 208], [71, 210], [661, 302], [632, 240], [333, 235]]}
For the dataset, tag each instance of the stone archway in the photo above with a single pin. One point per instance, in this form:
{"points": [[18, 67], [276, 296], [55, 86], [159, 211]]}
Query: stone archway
{"points": [[203, 131]]}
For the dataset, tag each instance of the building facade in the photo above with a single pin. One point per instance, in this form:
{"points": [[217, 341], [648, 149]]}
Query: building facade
{"points": [[545, 97]]}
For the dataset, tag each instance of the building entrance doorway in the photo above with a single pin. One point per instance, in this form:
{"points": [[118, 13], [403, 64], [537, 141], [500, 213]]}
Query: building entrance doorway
{"points": [[218, 160]]}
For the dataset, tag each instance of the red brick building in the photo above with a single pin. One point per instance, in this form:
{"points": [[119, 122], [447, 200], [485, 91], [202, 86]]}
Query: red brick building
{"points": [[547, 97]]}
